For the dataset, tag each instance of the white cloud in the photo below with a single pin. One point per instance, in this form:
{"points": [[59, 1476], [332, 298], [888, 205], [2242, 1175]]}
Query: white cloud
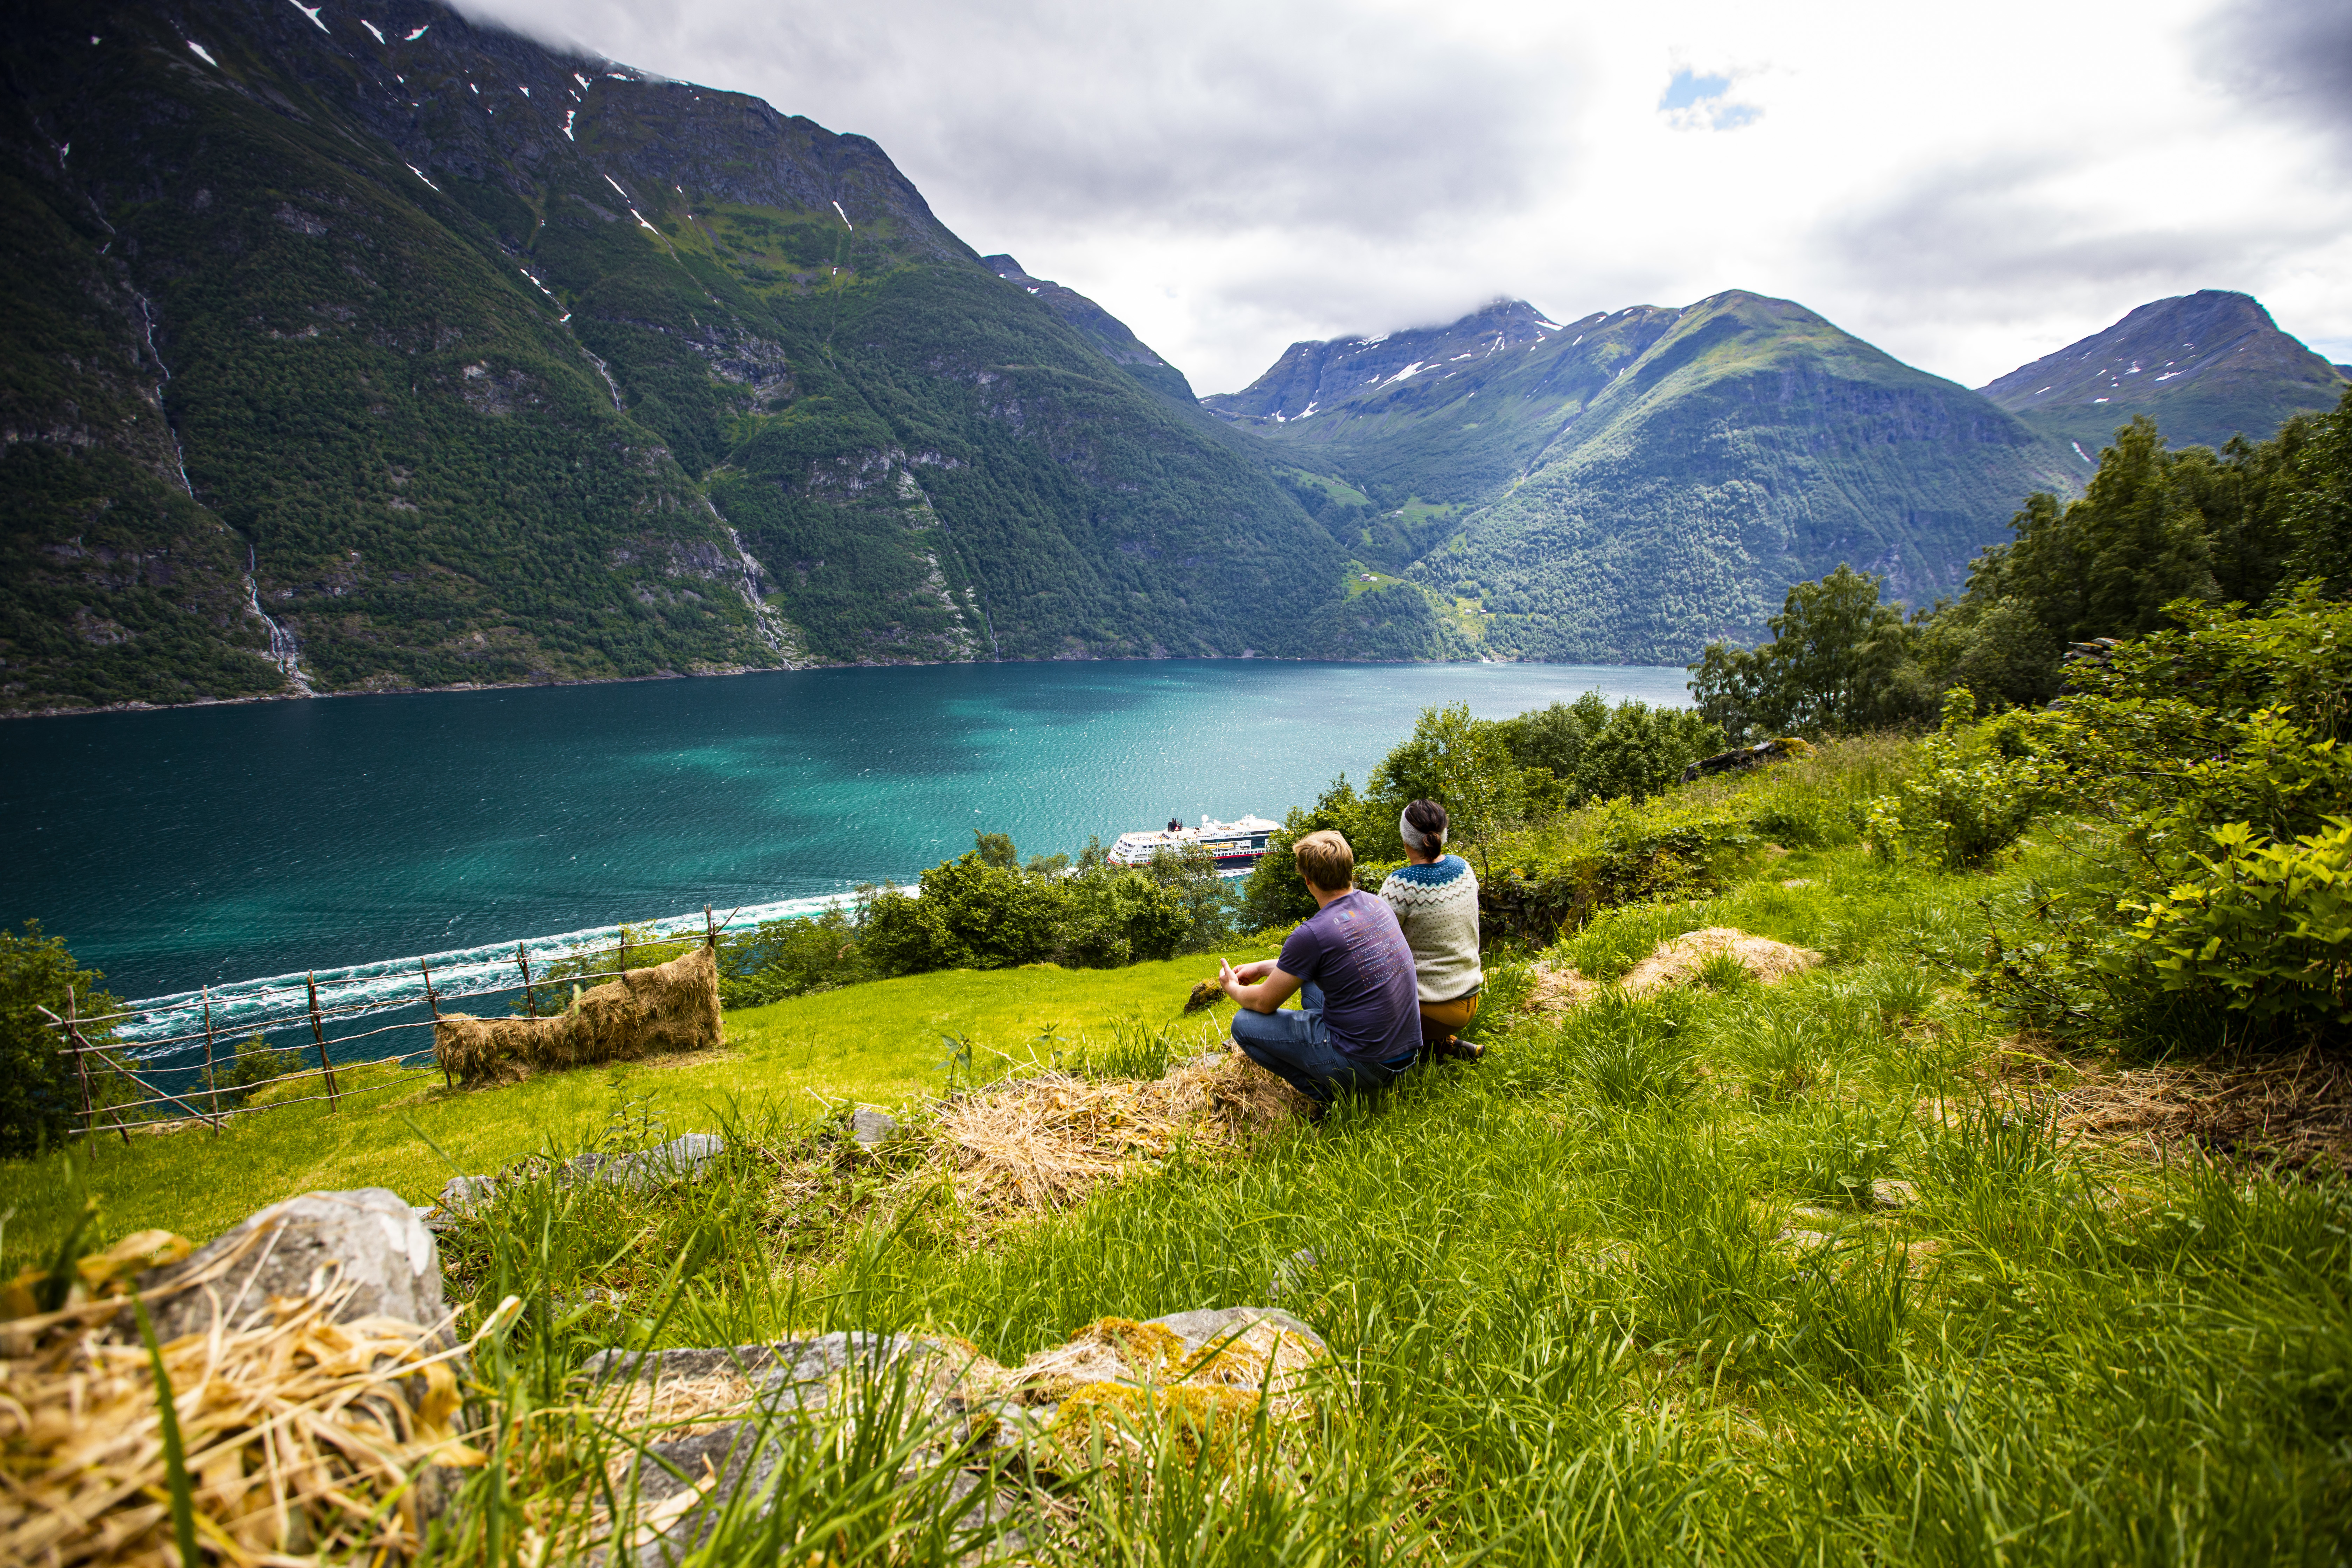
{"points": [[1968, 190]]}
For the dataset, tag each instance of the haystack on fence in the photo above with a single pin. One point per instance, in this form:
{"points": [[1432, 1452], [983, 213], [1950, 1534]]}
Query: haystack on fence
{"points": [[657, 1011], [630, 1014]]}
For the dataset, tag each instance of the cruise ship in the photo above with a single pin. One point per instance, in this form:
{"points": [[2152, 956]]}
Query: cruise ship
{"points": [[1237, 845]]}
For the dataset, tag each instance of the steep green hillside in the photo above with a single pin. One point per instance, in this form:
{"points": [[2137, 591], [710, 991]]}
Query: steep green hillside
{"points": [[499, 365], [2205, 366], [1118, 342], [1748, 446], [1432, 421]]}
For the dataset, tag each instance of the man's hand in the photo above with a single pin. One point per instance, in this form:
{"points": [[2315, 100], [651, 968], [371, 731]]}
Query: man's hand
{"points": [[1261, 987]]}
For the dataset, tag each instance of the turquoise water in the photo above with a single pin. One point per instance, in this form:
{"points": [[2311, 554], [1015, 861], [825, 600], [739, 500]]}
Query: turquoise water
{"points": [[220, 843]]}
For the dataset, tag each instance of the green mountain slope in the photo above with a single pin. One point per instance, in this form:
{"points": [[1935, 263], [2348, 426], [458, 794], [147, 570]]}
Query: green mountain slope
{"points": [[1433, 421], [494, 364], [2205, 366], [1118, 342], [1748, 444]]}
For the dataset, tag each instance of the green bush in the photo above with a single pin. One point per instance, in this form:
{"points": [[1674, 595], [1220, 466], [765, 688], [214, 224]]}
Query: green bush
{"points": [[1971, 800], [39, 1098], [2265, 925], [255, 1064]]}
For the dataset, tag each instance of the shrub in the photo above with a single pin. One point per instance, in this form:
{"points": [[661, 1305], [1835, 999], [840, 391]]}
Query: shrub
{"points": [[255, 1064], [40, 1100], [1971, 801], [2267, 926]]}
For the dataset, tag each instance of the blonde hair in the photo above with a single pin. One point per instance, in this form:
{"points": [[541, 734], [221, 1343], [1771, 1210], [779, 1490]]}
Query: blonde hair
{"points": [[1326, 861]]}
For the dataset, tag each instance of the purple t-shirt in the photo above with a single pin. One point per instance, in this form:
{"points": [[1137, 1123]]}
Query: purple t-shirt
{"points": [[1355, 951]]}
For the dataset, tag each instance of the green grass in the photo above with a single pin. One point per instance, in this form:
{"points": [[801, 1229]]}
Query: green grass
{"points": [[1623, 1291], [877, 1043]]}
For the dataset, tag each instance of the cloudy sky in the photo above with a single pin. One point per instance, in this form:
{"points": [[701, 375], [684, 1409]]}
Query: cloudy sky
{"points": [[1968, 187]]}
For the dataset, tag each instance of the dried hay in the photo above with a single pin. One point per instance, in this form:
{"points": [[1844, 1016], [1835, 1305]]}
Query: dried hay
{"points": [[1046, 1141], [1558, 987], [302, 1437], [1678, 958], [660, 1011], [2292, 1110]]}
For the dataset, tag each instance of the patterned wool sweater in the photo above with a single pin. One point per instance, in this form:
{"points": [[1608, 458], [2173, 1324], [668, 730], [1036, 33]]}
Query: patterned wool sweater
{"points": [[1437, 905]]}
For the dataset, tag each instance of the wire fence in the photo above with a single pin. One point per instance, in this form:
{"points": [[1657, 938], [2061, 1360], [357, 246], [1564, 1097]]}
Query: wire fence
{"points": [[123, 1091]]}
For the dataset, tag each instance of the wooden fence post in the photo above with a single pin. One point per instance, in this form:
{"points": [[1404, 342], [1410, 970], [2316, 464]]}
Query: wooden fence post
{"points": [[433, 1004], [530, 997], [81, 1067], [319, 1034], [211, 1079], [82, 1060]]}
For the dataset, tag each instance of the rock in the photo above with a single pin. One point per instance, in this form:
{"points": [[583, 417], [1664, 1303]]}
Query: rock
{"points": [[1294, 1275], [1197, 1329], [371, 1233], [460, 1194], [872, 1128], [789, 1382], [682, 1159], [1887, 1194], [687, 1158]]}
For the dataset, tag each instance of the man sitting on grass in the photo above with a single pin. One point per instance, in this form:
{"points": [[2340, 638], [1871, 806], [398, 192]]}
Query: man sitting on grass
{"points": [[1357, 1024]]}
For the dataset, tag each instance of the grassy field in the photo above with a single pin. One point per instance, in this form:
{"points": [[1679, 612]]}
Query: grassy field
{"points": [[880, 1044], [1832, 1270]]}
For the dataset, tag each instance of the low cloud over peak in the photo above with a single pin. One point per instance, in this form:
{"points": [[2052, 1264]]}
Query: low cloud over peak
{"points": [[1232, 178]]}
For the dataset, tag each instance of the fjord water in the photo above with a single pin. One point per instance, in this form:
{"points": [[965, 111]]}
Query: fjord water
{"points": [[223, 843]]}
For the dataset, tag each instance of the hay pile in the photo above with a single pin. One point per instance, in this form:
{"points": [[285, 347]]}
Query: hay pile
{"points": [[2294, 1109], [1046, 1141], [1679, 959], [1558, 988], [302, 1437], [1676, 962], [668, 1008]]}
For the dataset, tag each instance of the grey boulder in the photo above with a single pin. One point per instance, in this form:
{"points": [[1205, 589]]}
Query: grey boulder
{"points": [[368, 1238]]}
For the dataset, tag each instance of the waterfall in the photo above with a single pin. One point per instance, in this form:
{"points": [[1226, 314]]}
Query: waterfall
{"points": [[285, 652]]}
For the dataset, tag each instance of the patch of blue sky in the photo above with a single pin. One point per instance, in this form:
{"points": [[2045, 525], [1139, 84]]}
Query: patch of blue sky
{"points": [[1689, 88], [1694, 102]]}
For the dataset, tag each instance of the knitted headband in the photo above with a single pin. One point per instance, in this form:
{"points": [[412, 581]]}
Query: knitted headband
{"points": [[1424, 842]]}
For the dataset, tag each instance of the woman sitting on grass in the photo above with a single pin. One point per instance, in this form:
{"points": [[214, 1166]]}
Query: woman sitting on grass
{"points": [[1436, 902]]}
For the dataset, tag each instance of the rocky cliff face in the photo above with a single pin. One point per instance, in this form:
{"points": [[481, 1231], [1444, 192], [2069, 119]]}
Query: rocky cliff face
{"points": [[490, 362], [2205, 366]]}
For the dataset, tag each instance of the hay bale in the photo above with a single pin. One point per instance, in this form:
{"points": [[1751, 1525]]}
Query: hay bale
{"points": [[1678, 958], [660, 1011]]}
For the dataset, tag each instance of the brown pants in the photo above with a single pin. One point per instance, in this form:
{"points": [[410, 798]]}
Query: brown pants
{"points": [[1440, 1021]]}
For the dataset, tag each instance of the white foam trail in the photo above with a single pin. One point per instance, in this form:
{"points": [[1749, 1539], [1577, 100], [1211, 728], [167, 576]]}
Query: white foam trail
{"points": [[388, 983]]}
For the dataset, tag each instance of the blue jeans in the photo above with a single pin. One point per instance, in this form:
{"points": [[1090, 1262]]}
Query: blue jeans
{"points": [[1295, 1046]]}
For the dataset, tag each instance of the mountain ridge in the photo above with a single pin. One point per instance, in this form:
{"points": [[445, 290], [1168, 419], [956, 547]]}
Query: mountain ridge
{"points": [[492, 363], [2237, 374]]}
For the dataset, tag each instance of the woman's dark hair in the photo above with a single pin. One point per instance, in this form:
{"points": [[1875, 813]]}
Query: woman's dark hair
{"points": [[1426, 816]]}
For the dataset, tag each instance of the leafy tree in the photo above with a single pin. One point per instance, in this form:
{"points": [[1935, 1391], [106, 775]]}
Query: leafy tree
{"points": [[39, 1098], [1460, 762], [1208, 899], [1832, 665], [2317, 510], [1641, 750], [784, 958]]}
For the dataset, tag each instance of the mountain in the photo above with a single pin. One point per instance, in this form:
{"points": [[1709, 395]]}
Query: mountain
{"points": [[373, 351], [1626, 487], [1105, 331], [2205, 366]]}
